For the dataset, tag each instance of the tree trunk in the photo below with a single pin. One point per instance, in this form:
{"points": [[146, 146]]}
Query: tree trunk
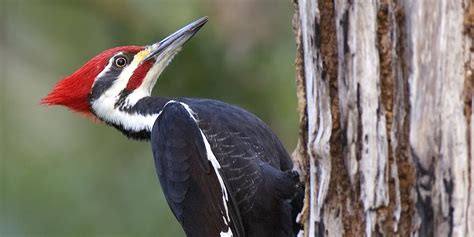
{"points": [[385, 91]]}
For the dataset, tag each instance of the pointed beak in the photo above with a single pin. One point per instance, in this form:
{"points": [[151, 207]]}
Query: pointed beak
{"points": [[171, 44]]}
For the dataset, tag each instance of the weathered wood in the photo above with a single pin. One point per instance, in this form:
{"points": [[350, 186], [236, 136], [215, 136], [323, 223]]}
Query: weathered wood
{"points": [[317, 111], [385, 101], [438, 127]]}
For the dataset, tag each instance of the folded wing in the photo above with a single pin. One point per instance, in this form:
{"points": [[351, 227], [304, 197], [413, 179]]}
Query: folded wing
{"points": [[189, 175]]}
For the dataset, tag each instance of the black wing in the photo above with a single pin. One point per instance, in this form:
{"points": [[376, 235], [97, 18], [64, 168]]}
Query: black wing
{"points": [[255, 165], [196, 196]]}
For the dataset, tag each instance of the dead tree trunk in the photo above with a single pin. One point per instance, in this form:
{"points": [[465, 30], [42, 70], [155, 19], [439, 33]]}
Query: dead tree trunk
{"points": [[385, 92]]}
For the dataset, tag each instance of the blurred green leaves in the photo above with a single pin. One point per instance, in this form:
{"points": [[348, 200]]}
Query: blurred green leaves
{"points": [[62, 175]]}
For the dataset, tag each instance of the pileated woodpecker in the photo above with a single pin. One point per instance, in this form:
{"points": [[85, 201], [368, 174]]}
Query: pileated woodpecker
{"points": [[222, 170]]}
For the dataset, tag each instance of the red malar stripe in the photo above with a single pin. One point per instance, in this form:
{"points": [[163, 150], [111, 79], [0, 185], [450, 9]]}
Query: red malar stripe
{"points": [[138, 75]]}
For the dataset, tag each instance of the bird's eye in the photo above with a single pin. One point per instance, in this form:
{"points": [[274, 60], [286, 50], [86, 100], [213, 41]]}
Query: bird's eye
{"points": [[120, 61]]}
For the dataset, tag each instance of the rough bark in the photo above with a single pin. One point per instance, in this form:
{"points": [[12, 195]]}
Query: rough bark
{"points": [[385, 91]]}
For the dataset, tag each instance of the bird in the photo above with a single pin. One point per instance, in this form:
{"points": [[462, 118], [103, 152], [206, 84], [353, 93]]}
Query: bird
{"points": [[222, 170]]}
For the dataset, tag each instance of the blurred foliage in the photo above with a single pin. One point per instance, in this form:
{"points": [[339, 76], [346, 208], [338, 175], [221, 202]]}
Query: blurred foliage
{"points": [[62, 175]]}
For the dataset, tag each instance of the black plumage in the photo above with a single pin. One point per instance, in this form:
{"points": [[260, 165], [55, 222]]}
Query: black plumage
{"points": [[189, 182], [264, 194]]}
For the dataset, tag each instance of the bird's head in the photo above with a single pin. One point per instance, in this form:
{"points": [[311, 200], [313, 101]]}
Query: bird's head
{"points": [[118, 77]]}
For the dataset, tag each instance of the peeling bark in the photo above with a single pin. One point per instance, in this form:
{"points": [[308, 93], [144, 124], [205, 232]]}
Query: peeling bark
{"points": [[385, 100], [318, 113]]}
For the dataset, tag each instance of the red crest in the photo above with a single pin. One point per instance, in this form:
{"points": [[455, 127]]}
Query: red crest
{"points": [[73, 91]]}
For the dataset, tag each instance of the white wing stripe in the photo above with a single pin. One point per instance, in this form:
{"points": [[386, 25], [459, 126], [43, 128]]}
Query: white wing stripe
{"points": [[215, 164]]}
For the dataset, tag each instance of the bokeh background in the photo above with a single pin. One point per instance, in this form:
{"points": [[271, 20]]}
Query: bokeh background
{"points": [[62, 175]]}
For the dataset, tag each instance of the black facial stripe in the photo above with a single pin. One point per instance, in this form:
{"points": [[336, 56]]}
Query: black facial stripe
{"points": [[106, 80], [103, 83], [121, 101]]}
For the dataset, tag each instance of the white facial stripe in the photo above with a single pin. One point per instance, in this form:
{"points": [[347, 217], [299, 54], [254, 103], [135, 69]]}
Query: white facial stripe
{"points": [[104, 106], [130, 122], [126, 74], [150, 79]]}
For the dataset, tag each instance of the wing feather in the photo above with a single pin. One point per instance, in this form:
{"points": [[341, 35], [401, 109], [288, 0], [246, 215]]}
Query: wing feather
{"points": [[191, 187]]}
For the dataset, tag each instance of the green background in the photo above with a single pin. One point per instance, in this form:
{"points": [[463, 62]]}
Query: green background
{"points": [[62, 175]]}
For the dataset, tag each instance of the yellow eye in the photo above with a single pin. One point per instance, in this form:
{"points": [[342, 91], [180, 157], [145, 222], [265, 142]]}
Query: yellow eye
{"points": [[120, 61]]}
